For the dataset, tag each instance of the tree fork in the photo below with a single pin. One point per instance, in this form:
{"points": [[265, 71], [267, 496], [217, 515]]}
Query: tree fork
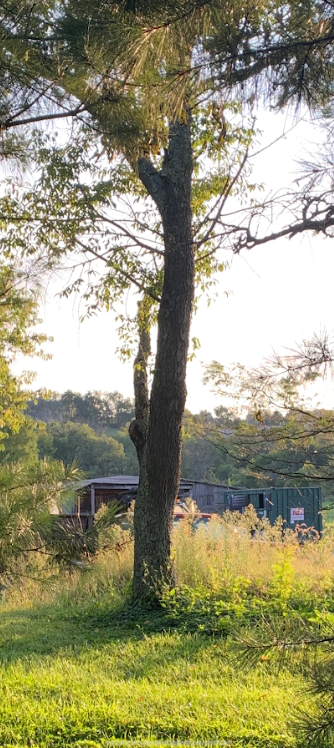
{"points": [[161, 456]]}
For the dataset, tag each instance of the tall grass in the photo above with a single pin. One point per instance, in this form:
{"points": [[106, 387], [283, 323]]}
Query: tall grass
{"points": [[237, 545], [235, 559], [78, 669]]}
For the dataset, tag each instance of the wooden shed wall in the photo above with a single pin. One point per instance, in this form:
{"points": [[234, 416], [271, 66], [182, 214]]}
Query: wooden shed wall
{"points": [[208, 496]]}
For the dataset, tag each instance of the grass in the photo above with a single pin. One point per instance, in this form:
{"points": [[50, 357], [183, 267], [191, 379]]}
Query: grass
{"points": [[328, 513], [80, 667], [64, 682]]}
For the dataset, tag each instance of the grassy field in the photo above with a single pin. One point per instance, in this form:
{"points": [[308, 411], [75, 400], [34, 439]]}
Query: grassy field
{"points": [[65, 682], [328, 514], [81, 667]]}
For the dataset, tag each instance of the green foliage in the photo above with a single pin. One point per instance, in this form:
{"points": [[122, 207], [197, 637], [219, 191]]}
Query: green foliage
{"points": [[18, 315], [131, 460], [83, 188], [216, 448], [85, 205], [240, 572], [277, 435], [21, 446], [74, 443], [34, 538], [70, 546], [288, 56], [29, 497], [98, 410]]}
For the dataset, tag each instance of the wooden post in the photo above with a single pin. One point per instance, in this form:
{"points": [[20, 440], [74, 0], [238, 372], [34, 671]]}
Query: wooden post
{"points": [[92, 500]]}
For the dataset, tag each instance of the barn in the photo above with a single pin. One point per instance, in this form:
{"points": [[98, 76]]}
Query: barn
{"points": [[94, 492], [296, 505]]}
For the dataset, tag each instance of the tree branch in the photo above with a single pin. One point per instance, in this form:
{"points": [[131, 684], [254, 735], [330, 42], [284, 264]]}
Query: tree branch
{"points": [[319, 225], [153, 181], [129, 234], [227, 191], [9, 123], [122, 272]]}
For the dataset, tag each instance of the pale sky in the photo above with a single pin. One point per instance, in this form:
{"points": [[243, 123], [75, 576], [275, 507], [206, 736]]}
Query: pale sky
{"points": [[277, 295]]}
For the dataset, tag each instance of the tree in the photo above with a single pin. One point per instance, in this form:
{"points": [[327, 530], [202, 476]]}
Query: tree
{"points": [[31, 498], [288, 59], [18, 315], [198, 455], [284, 438], [21, 446], [289, 62], [283, 639], [163, 161], [99, 410], [74, 443], [163, 133]]}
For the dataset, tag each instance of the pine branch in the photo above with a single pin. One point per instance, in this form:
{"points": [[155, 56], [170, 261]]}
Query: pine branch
{"points": [[10, 123]]}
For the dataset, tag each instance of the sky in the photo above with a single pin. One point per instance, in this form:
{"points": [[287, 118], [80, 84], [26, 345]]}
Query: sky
{"points": [[270, 298]]}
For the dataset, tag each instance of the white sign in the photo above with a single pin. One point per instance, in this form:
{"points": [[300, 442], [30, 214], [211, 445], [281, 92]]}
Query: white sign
{"points": [[297, 514]]}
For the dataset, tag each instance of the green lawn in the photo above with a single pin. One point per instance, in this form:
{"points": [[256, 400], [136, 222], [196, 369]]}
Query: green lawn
{"points": [[328, 514], [81, 667], [68, 680]]}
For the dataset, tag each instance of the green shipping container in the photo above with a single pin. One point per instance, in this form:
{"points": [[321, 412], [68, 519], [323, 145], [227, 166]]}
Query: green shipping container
{"points": [[296, 505]]}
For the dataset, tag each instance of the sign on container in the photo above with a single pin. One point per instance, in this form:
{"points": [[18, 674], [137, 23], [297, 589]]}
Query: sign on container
{"points": [[297, 514]]}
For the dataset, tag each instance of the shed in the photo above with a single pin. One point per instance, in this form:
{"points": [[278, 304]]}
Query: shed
{"points": [[94, 492]]}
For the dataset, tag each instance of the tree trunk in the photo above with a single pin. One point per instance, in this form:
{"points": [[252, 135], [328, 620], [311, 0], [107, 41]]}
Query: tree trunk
{"points": [[138, 429], [161, 454]]}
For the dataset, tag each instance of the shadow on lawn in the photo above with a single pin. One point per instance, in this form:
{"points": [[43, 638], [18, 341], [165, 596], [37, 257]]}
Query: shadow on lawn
{"points": [[47, 630], [135, 619]]}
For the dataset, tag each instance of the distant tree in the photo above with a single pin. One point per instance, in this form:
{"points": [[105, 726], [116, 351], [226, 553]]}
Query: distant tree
{"points": [[47, 408], [203, 457], [122, 409], [131, 460], [73, 443], [20, 446], [198, 455], [99, 410]]}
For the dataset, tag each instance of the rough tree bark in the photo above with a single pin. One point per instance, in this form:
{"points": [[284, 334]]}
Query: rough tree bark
{"points": [[159, 447], [138, 429]]}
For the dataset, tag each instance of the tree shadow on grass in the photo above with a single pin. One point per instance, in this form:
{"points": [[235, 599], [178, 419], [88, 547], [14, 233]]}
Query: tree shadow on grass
{"points": [[134, 619], [48, 631]]}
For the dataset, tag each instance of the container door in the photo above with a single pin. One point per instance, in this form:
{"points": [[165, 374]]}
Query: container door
{"points": [[238, 502]]}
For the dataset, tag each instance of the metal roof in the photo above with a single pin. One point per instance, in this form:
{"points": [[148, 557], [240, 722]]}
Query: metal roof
{"points": [[128, 481], [207, 483], [120, 481], [114, 480]]}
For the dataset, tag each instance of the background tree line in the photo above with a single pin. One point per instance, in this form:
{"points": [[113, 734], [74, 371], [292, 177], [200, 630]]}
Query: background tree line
{"points": [[91, 432], [98, 410]]}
